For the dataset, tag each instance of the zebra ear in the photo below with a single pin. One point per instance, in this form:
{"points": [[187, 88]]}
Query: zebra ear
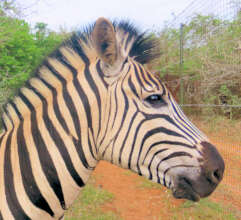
{"points": [[104, 40]]}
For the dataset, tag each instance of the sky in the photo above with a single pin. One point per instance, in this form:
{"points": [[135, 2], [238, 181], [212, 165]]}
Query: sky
{"points": [[72, 14]]}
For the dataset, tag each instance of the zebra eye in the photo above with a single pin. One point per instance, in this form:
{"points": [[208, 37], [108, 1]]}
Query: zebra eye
{"points": [[155, 100]]}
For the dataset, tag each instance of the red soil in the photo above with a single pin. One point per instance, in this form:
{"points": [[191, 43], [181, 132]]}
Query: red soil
{"points": [[132, 202]]}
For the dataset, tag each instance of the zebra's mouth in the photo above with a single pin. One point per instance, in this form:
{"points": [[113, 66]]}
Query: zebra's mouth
{"points": [[184, 190]]}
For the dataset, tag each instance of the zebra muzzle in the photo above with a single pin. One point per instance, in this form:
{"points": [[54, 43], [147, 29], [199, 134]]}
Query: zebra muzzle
{"points": [[193, 183]]}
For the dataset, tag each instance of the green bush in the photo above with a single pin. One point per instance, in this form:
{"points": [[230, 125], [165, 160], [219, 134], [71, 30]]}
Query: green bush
{"points": [[211, 62], [22, 49]]}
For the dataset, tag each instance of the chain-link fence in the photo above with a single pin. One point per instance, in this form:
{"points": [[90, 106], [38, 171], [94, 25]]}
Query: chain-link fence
{"points": [[201, 65], [201, 59]]}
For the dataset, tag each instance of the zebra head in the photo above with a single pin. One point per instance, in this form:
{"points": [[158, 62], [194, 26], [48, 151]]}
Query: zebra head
{"points": [[143, 127], [145, 130]]}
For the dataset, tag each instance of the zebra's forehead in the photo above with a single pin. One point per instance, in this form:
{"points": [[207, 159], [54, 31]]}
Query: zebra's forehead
{"points": [[144, 78]]}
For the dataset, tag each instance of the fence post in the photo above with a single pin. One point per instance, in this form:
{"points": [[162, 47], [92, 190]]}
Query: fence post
{"points": [[181, 65]]}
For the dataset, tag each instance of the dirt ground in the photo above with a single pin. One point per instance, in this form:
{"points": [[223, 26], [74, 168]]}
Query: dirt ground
{"points": [[133, 202]]}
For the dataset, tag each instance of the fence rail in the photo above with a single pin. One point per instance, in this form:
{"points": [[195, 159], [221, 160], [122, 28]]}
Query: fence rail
{"points": [[210, 105]]}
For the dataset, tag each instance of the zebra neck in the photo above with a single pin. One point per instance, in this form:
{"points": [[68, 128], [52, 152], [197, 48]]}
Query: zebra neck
{"points": [[53, 127], [57, 164]]}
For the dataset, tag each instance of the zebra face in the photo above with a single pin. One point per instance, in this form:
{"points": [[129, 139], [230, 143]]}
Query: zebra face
{"points": [[172, 151], [145, 130]]}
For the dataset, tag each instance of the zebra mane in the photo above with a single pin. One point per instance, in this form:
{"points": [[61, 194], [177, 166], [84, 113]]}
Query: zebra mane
{"points": [[144, 48]]}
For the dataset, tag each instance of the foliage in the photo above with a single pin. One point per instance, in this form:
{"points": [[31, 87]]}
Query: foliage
{"points": [[212, 62], [9, 8], [22, 49], [18, 52]]}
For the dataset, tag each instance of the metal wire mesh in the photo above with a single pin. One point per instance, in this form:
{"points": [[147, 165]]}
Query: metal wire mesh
{"points": [[223, 9], [204, 53], [202, 67]]}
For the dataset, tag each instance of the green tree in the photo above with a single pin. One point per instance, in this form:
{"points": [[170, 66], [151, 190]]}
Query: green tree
{"points": [[21, 51], [8, 8]]}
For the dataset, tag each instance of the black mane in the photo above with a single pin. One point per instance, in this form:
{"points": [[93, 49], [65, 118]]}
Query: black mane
{"points": [[145, 47]]}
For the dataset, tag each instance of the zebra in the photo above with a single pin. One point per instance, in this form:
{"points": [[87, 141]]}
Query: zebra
{"points": [[93, 99]]}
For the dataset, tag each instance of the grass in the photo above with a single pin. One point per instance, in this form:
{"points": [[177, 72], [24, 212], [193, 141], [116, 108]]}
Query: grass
{"points": [[128, 172], [204, 209], [148, 184], [88, 205]]}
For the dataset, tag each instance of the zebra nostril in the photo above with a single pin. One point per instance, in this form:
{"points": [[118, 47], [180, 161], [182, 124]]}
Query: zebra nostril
{"points": [[213, 164], [217, 175], [214, 177]]}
